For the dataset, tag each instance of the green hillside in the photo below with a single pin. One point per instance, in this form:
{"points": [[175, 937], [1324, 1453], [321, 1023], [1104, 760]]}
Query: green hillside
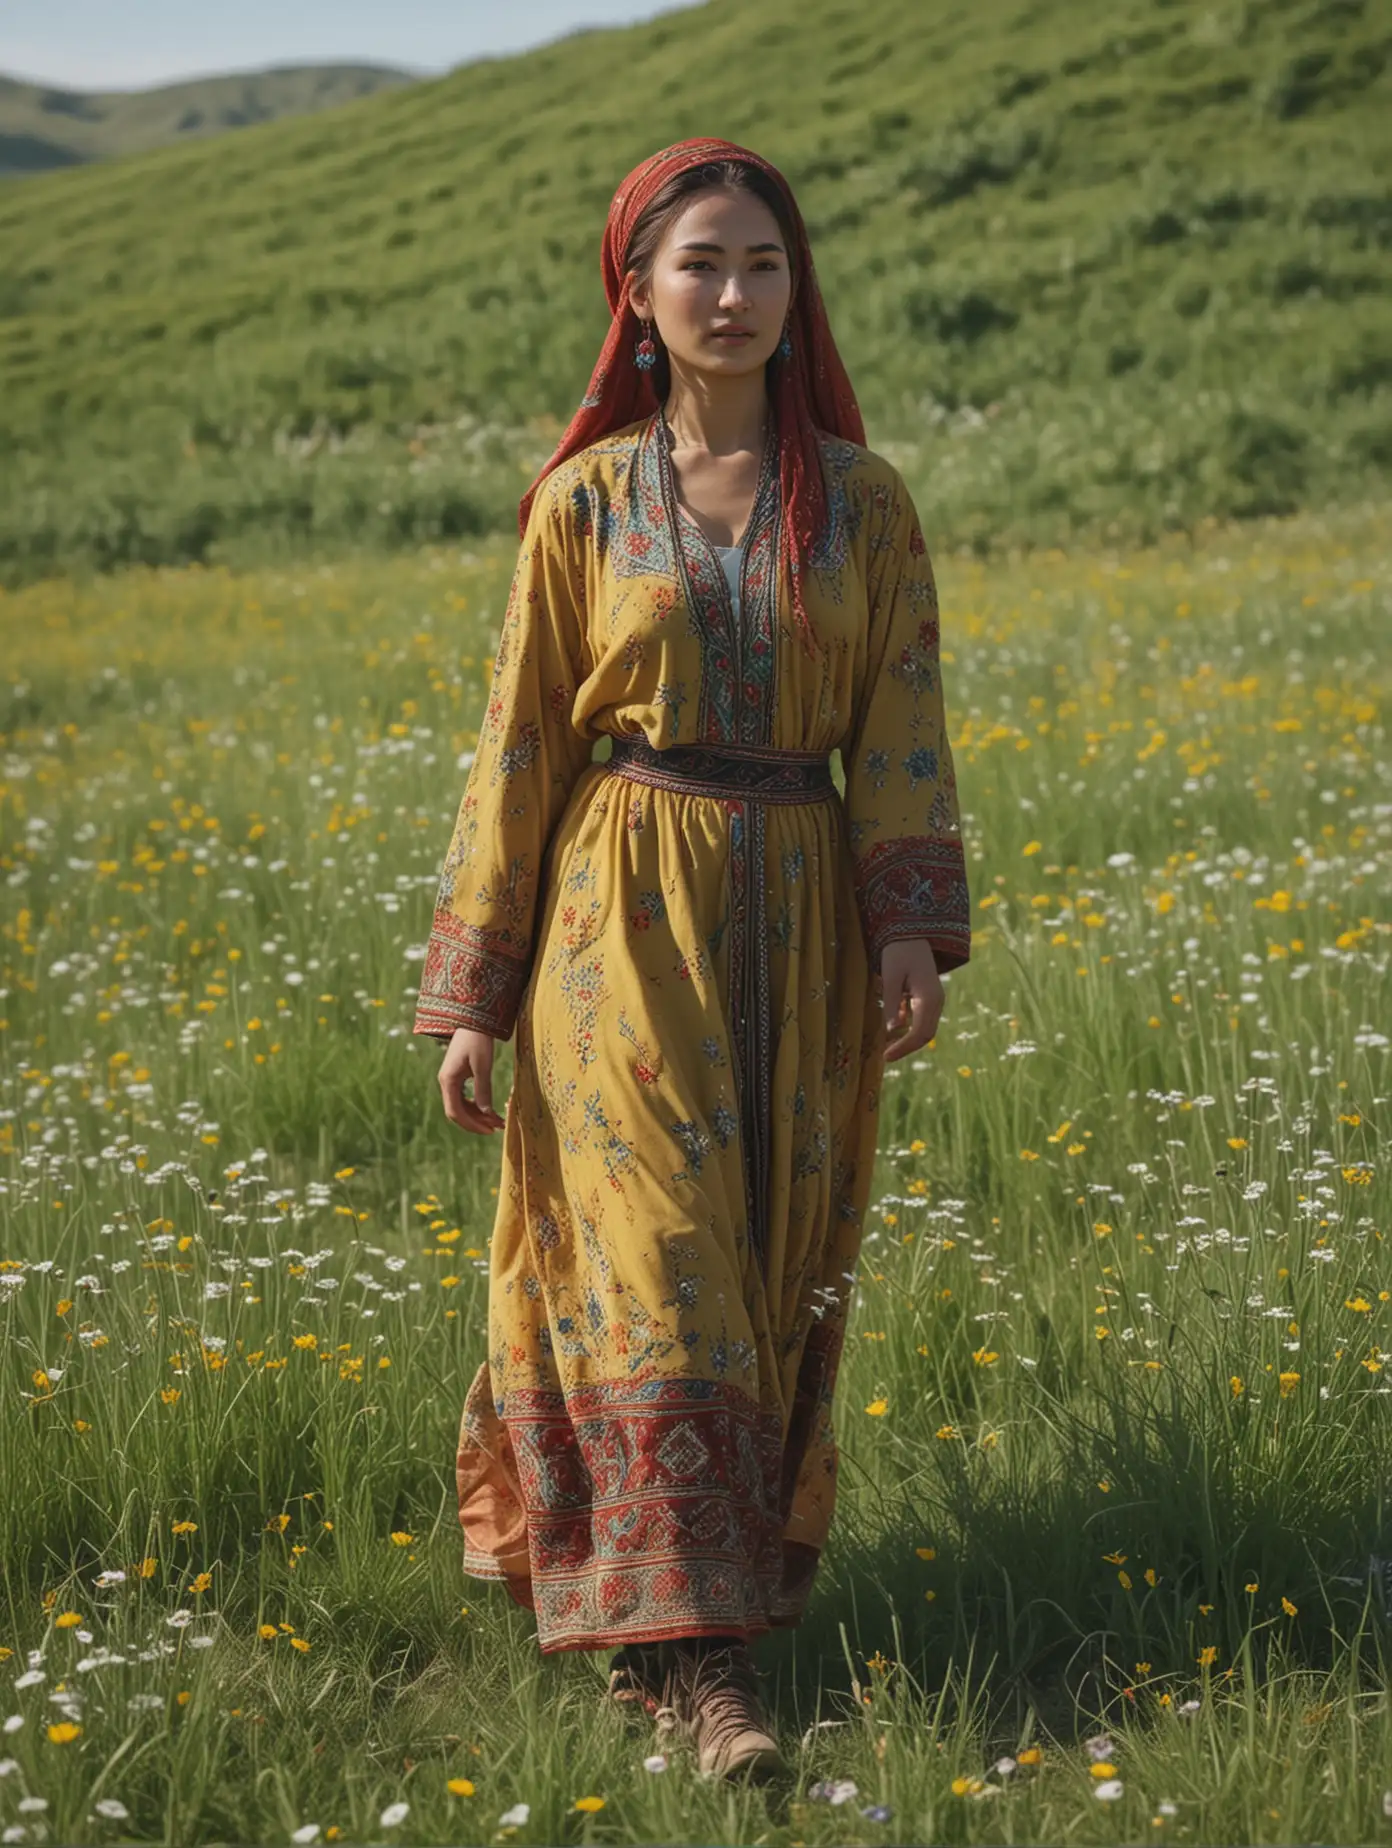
{"points": [[42, 127], [1110, 268]]}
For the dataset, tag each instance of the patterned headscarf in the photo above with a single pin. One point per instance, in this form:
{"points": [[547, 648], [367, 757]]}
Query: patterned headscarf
{"points": [[810, 389]]}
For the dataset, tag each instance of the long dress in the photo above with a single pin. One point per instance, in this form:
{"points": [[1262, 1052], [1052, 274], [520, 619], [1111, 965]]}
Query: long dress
{"points": [[686, 939]]}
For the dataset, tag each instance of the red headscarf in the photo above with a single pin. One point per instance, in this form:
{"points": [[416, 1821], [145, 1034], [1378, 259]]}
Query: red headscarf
{"points": [[811, 389]]}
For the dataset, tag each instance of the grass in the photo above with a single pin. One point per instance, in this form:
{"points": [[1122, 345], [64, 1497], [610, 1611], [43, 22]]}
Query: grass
{"points": [[1095, 272], [1114, 1410]]}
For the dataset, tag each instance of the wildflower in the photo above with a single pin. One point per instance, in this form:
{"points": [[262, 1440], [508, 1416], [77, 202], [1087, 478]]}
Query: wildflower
{"points": [[877, 1407], [460, 1787], [656, 1761], [1288, 1383], [112, 1808], [298, 1642], [589, 1804], [1103, 1768], [184, 1527], [268, 1632], [877, 1812], [64, 1732], [515, 1817], [393, 1814], [1235, 1383], [1289, 1608], [1030, 1756], [307, 1832], [403, 1539], [1252, 1586], [832, 1790], [67, 1620], [984, 1357], [1208, 1655], [1109, 1791], [945, 1432], [926, 1552]]}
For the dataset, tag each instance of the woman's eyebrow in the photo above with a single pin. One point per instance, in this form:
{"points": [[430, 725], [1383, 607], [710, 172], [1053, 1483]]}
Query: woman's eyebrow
{"points": [[753, 249]]}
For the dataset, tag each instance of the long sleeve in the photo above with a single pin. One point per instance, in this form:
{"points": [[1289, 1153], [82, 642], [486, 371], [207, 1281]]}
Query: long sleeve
{"points": [[901, 790], [528, 759]]}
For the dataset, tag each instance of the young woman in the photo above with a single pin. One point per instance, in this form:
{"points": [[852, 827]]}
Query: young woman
{"points": [[708, 953]]}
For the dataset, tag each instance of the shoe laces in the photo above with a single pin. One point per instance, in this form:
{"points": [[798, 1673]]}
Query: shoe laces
{"points": [[722, 1685]]}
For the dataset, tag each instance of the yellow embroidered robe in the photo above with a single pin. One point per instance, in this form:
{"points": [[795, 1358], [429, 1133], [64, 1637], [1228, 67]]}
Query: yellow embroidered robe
{"points": [[647, 1451]]}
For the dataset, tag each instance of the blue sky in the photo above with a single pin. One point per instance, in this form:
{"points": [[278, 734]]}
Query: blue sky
{"points": [[96, 45]]}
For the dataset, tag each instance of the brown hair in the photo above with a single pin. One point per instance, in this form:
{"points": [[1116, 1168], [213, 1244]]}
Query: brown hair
{"points": [[667, 204]]}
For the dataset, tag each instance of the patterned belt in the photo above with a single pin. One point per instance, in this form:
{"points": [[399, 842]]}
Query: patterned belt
{"points": [[755, 771]]}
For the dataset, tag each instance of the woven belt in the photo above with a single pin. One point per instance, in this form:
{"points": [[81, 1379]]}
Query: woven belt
{"points": [[757, 772]]}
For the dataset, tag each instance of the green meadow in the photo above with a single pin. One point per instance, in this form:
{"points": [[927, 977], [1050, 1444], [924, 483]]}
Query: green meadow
{"points": [[1097, 271], [1113, 1550], [1111, 1558]]}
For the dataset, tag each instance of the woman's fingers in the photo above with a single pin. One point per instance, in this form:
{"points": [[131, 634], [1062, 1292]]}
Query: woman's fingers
{"points": [[482, 1064], [921, 1010], [476, 1113]]}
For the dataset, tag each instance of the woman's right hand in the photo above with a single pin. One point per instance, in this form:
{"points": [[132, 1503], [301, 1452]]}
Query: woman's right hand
{"points": [[469, 1055]]}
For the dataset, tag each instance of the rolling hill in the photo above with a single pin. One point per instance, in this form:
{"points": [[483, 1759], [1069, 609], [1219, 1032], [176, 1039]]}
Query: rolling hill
{"points": [[42, 127], [1107, 269]]}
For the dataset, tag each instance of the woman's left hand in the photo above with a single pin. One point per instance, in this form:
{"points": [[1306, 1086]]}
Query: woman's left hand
{"points": [[913, 995]]}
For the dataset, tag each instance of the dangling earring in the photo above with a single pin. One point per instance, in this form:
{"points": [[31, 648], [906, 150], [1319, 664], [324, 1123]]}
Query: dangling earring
{"points": [[785, 345], [645, 353]]}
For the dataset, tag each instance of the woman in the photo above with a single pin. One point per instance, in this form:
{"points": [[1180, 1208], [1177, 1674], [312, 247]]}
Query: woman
{"points": [[703, 947]]}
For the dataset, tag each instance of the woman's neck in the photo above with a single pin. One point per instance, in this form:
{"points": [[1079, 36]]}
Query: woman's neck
{"points": [[720, 415]]}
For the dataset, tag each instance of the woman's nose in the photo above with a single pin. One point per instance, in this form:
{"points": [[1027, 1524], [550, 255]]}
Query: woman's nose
{"points": [[733, 295]]}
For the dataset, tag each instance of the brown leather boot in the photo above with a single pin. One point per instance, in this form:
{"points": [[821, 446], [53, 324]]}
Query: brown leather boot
{"points": [[717, 1706]]}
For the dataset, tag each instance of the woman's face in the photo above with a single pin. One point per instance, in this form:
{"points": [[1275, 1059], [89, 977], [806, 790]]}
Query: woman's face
{"points": [[720, 284]]}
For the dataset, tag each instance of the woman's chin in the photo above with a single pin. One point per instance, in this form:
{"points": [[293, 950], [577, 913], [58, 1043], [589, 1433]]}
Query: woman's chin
{"points": [[733, 364]]}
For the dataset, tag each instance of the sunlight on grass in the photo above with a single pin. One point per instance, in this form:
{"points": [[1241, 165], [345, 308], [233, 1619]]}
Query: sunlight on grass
{"points": [[1112, 1558]]}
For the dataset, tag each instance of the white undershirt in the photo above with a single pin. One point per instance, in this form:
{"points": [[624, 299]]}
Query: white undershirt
{"points": [[731, 557]]}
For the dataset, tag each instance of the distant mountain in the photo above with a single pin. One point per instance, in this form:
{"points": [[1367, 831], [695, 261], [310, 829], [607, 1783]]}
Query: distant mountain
{"points": [[42, 127]]}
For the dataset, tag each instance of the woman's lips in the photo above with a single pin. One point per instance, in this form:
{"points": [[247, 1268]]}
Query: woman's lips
{"points": [[733, 339]]}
